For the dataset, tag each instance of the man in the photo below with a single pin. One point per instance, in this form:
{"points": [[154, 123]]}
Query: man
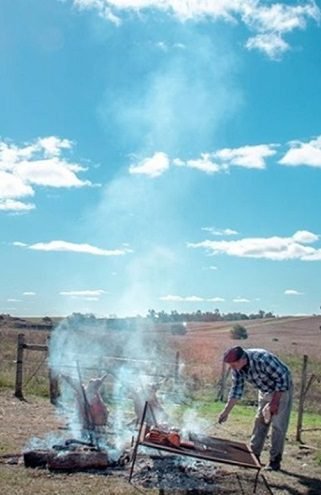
{"points": [[273, 380]]}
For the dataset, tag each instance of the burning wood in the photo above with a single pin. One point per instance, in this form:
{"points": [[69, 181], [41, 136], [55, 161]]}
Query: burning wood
{"points": [[70, 461], [73, 455]]}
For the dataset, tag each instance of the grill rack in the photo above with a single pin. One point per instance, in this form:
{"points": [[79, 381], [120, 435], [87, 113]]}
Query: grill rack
{"points": [[217, 450]]}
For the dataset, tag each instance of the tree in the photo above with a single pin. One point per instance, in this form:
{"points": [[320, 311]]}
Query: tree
{"points": [[238, 332]]}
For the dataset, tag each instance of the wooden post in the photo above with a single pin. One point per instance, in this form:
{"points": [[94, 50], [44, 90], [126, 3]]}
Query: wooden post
{"points": [[176, 367], [19, 368], [54, 391], [301, 398]]}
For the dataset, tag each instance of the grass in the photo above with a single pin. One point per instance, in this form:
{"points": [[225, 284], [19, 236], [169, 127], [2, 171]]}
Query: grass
{"points": [[28, 482]]}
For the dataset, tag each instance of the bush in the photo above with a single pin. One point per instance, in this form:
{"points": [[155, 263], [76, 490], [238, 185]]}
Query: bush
{"points": [[178, 329], [238, 332]]}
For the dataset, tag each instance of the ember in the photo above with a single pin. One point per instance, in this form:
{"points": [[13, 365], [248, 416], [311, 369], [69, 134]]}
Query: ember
{"points": [[170, 473]]}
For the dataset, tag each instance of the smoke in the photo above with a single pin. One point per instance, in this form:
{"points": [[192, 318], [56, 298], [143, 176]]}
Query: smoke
{"points": [[138, 364], [182, 97], [135, 360], [174, 96]]}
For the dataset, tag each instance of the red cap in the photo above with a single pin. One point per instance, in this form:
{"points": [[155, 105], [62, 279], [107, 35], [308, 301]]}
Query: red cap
{"points": [[233, 354]]}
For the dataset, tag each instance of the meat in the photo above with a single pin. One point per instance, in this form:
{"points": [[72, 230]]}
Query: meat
{"points": [[156, 435]]}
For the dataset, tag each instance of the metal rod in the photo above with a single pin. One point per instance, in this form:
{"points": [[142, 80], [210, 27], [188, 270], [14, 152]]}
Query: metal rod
{"points": [[138, 441], [89, 421]]}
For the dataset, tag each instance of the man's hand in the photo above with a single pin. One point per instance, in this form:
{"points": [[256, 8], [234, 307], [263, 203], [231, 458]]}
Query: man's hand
{"points": [[274, 407], [226, 411], [223, 417], [275, 401]]}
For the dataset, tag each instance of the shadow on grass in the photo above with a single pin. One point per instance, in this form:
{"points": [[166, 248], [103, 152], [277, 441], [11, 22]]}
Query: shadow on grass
{"points": [[312, 485]]}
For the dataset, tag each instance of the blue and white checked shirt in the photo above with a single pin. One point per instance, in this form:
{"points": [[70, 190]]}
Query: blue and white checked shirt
{"points": [[264, 370]]}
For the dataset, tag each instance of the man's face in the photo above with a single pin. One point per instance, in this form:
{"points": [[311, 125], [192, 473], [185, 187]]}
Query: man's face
{"points": [[237, 365]]}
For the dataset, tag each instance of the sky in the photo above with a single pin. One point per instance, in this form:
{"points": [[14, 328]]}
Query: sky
{"points": [[160, 154]]}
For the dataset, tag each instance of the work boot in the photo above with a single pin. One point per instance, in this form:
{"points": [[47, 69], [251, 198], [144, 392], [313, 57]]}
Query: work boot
{"points": [[274, 464]]}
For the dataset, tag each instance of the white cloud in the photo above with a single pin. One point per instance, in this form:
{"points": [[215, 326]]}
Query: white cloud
{"points": [[19, 244], [29, 294], [219, 232], [305, 237], [153, 166], [73, 248], [272, 248], [51, 172], [176, 298], [16, 206], [271, 44], [37, 164], [271, 21], [93, 294], [173, 298], [279, 17], [292, 292], [241, 300], [204, 164], [210, 163], [301, 153], [13, 186], [246, 156]]}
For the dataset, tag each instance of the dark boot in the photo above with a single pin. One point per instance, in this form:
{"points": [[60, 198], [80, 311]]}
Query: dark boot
{"points": [[274, 464]]}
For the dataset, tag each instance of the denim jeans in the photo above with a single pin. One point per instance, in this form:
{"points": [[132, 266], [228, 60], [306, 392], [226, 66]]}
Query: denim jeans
{"points": [[279, 425]]}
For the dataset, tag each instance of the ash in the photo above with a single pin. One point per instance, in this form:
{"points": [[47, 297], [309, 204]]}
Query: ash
{"points": [[172, 473]]}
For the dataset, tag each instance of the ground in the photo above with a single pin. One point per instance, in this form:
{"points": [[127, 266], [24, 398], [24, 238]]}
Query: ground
{"points": [[21, 421]]}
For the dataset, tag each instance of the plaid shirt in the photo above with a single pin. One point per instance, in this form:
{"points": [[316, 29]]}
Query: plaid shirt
{"points": [[264, 370]]}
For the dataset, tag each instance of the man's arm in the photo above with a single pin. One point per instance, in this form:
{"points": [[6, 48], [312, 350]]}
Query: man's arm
{"points": [[227, 409]]}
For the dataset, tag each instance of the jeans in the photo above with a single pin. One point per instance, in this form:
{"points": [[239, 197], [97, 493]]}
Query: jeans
{"points": [[279, 425]]}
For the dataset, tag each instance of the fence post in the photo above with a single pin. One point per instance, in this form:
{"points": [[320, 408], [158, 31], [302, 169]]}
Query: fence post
{"points": [[54, 391], [176, 367], [19, 369], [301, 398]]}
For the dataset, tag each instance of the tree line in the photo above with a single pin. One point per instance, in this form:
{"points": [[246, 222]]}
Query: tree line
{"points": [[175, 316]]}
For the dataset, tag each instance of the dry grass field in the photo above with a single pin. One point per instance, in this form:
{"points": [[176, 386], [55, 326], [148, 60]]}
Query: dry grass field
{"points": [[200, 351]]}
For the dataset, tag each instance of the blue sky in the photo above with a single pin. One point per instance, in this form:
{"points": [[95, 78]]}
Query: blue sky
{"points": [[160, 154]]}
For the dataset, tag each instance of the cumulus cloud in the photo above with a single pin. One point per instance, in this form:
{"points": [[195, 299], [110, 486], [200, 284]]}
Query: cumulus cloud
{"points": [[152, 167], [176, 298], [270, 21], [292, 292], [220, 232], [246, 156], [40, 163], [29, 294], [241, 300], [296, 247], [272, 44], [94, 294], [204, 164], [301, 153], [14, 205], [73, 248], [209, 163]]}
